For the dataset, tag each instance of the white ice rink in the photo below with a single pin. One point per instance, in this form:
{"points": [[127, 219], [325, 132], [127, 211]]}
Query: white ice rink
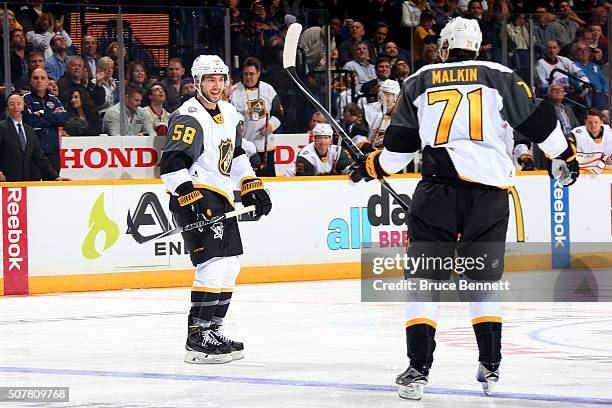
{"points": [[306, 344]]}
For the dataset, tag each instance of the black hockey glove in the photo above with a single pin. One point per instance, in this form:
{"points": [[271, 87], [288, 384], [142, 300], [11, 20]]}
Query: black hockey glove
{"points": [[253, 193], [565, 167], [367, 168], [526, 162], [191, 205]]}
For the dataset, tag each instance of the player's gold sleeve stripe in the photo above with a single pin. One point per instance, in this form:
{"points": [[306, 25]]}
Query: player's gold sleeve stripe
{"points": [[420, 320], [484, 319], [527, 89], [216, 190], [205, 289], [227, 290], [269, 149]]}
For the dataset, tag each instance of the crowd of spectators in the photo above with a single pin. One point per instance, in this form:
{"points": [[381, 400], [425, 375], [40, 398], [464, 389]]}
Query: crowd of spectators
{"points": [[76, 89]]}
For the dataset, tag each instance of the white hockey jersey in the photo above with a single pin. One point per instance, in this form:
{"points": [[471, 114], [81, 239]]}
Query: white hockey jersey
{"points": [[544, 69], [462, 108], [308, 157], [258, 105], [377, 124], [211, 143], [586, 144]]}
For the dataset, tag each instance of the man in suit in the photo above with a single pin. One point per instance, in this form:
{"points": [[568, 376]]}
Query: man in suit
{"points": [[90, 57], [21, 158]]}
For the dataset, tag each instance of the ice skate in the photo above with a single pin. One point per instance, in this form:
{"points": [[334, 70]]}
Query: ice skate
{"points": [[487, 376], [235, 346], [411, 383], [203, 348]]}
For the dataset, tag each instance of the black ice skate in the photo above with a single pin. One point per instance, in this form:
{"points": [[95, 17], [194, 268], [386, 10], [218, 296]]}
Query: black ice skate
{"points": [[203, 348], [411, 382], [236, 346], [487, 376]]}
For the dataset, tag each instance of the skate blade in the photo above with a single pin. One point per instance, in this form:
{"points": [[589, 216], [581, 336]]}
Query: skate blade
{"points": [[237, 355], [195, 357], [411, 392], [488, 387]]}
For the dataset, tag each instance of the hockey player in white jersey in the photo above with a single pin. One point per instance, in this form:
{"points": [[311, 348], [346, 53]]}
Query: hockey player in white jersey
{"points": [[202, 163], [593, 142], [320, 157], [370, 133], [455, 112], [260, 105]]}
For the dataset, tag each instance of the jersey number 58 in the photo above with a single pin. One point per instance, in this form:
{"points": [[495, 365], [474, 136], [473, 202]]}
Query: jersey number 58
{"points": [[186, 133]]}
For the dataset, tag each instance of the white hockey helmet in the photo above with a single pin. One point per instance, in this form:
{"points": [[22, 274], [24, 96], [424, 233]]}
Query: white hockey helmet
{"points": [[322, 129], [208, 65], [461, 33], [390, 86]]}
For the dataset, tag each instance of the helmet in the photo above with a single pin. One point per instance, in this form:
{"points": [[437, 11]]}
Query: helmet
{"points": [[390, 86], [322, 129], [208, 65], [461, 33]]}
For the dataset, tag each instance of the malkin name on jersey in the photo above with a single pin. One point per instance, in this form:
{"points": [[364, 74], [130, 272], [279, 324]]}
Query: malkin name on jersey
{"points": [[454, 75]]}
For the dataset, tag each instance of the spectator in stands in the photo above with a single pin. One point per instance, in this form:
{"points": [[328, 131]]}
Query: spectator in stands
{"points": [[155, 111], [542, 30], [566, 24], [360, 64], [598, 39], [172, 83], [83, 119], [411, 12], [551, 61], [333, 60], [260, 106], [19, 65], [45, 113], [313, 43], [378, 40], [401, 70], [393, 52], [74, 79], [55, 65], [28, 14], [347, 48], [423, 34], [605, 113], [89, 53], [441, 11], [21, 158], [599, 95], [137, 76], [135, 120], [104, 79], [54, 89], [597, 56], [188, 89], [518, 31], [320, 157], [383, 72], [45, 31], [13, 23], [112, 51], [566, 116], [317, 117], [430, 56], [475, 11], [36, 59]]}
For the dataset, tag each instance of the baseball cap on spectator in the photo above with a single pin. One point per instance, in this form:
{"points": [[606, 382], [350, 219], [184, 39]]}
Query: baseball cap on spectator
{"points": [[290, 19]]}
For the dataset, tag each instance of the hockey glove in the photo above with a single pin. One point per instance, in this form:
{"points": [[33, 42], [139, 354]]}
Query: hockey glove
{"points": [[367, 168], [526, 162], [565, 167], [191, 205], [253, 193]]}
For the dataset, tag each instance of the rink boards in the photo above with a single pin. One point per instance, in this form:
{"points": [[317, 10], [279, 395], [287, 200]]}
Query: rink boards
{"points": [[72, 236]]}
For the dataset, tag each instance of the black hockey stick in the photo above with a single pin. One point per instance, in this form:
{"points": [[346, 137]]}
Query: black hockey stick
{"points": [[141, 240], [289, 53]]}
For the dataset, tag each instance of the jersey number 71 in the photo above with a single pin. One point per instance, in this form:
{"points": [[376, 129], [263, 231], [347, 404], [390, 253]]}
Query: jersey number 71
{"points": [[452, 98]]}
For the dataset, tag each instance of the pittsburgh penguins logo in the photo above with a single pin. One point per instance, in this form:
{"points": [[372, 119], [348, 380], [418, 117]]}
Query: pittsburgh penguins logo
{"points": [[377, 138], [256, 108], [226, 154]]}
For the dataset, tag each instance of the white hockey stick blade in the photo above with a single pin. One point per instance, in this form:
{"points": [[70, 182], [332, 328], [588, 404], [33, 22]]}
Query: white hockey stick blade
{"points": [[291, 43]]}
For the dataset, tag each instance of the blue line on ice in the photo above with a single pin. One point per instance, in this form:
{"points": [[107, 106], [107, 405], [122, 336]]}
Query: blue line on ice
{"points": [[298, 383]]}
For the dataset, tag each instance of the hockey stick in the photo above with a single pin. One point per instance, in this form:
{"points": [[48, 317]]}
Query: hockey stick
{"points": [[141, 240], [289, 53]]}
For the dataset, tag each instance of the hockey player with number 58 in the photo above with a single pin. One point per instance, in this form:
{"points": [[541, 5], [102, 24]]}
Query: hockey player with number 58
{"points": [[202, 163], [456, 112]]}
